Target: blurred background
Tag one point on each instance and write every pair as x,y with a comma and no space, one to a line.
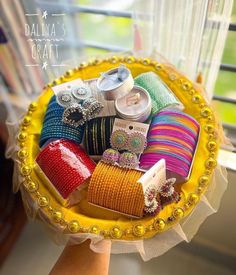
40,40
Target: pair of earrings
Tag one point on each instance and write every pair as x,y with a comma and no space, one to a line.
126,160
152,204
134,142
79,105
77,114
76,94
120,140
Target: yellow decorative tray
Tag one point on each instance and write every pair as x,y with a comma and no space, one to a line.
84,218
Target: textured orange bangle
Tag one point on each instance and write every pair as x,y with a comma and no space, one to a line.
117,189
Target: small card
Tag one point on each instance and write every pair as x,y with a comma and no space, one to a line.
130,126
67,86
155,175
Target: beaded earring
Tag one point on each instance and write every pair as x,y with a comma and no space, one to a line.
167,189
119,139
124,160
167,193
75,115
93,107
65,99
111,156
128,160
136,143
81,92
152,206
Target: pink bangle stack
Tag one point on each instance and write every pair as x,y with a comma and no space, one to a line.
173,136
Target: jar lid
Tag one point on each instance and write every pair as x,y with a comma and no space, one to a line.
134,106
115,83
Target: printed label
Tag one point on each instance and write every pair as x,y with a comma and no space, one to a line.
130,126
155,175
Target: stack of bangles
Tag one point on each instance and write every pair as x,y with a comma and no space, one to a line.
97,134
173,136
54,128
116,188
160,94
66,165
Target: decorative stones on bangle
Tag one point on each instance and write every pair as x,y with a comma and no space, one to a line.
77,114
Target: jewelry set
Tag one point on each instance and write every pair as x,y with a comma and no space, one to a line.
79,105
120,140
72,119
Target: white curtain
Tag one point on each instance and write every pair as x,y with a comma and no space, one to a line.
189,33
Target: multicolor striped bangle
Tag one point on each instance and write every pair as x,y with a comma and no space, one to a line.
53,127
173,135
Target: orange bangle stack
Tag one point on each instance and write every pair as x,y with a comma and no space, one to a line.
117,189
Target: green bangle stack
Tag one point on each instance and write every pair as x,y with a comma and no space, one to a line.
160,94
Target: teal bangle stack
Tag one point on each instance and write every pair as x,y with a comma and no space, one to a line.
54,128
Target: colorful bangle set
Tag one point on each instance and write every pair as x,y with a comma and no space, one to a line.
97,135
66,165
160,94
114,185
54,128
117,189
173,136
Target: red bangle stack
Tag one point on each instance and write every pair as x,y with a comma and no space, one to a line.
66,165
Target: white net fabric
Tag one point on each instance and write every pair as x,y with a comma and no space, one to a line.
148,248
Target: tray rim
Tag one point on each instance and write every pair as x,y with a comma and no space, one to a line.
123,229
